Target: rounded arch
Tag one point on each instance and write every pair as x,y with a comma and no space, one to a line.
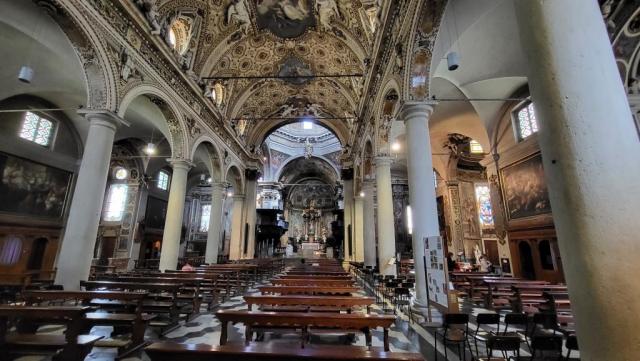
291,159
235,177
263,130
176,128
214,154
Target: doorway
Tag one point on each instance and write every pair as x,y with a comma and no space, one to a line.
37,254
526,261
491,250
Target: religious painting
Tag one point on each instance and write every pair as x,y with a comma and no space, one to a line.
524,188
32,189
470,220
293,67
285,18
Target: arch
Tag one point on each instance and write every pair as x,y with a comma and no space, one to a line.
175,124
262,131
214,154
235,177
290,159
91,51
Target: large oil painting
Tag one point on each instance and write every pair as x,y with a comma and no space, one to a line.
525,189
32,189
285,18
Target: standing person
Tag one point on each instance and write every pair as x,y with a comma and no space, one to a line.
452,265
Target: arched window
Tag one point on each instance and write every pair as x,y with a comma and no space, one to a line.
116,202
11,250
36,129
163,180
525,121
205,214
546,256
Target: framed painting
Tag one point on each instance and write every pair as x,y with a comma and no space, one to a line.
32,189
524,188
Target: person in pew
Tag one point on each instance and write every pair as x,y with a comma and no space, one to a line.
452,265
188,267
485,264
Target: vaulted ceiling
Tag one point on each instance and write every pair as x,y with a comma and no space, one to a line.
266,38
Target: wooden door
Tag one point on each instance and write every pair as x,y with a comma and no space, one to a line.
491,250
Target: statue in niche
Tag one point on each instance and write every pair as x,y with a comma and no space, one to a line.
327,10
308,148
237,14
150,11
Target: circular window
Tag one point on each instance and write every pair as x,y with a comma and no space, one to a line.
121,173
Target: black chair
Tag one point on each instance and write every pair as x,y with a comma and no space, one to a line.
482,335
571,344
517,324
505,344
455,331
544,324
402,300
546,343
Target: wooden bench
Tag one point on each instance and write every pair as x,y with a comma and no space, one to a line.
499,291
162,298
529,298
307,290
332,303
169,351
305,322
122,310
308,282
70,346
316,277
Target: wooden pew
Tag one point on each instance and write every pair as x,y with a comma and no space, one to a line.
305,321
162,299
169,351
499,291
311,303
316,277
71,346
529,297
311,273
124,309
308,282
307,290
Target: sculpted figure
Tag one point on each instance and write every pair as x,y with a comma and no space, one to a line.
237,14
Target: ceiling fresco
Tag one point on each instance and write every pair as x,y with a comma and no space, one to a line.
281,38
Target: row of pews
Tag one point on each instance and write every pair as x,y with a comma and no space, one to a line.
311,298
128,302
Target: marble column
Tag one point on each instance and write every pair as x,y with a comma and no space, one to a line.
358,228
237,228
385,221
251,192
215,223
347,193
369,223
590,148
78,242
422,194
175,211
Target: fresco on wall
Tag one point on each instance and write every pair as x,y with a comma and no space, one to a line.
470,221
285,18
524,188
32,189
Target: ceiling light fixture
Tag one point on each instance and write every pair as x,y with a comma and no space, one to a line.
26,74
362,194
395,146
150,149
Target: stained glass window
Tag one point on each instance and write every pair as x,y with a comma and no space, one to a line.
527,122
36,129
204,218
116,202
163,180
11,250
483,198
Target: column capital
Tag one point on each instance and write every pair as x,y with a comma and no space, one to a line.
424,109
103,117
383,161
218,187
252,174
180,163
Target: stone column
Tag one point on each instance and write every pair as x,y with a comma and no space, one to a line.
369,224
347,193
215,223
175,211
422,194
358,228
251,176
78,242
590,149
237,228
385,224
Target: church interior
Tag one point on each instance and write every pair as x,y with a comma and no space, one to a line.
319,179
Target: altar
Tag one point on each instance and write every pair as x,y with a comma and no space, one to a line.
309,249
